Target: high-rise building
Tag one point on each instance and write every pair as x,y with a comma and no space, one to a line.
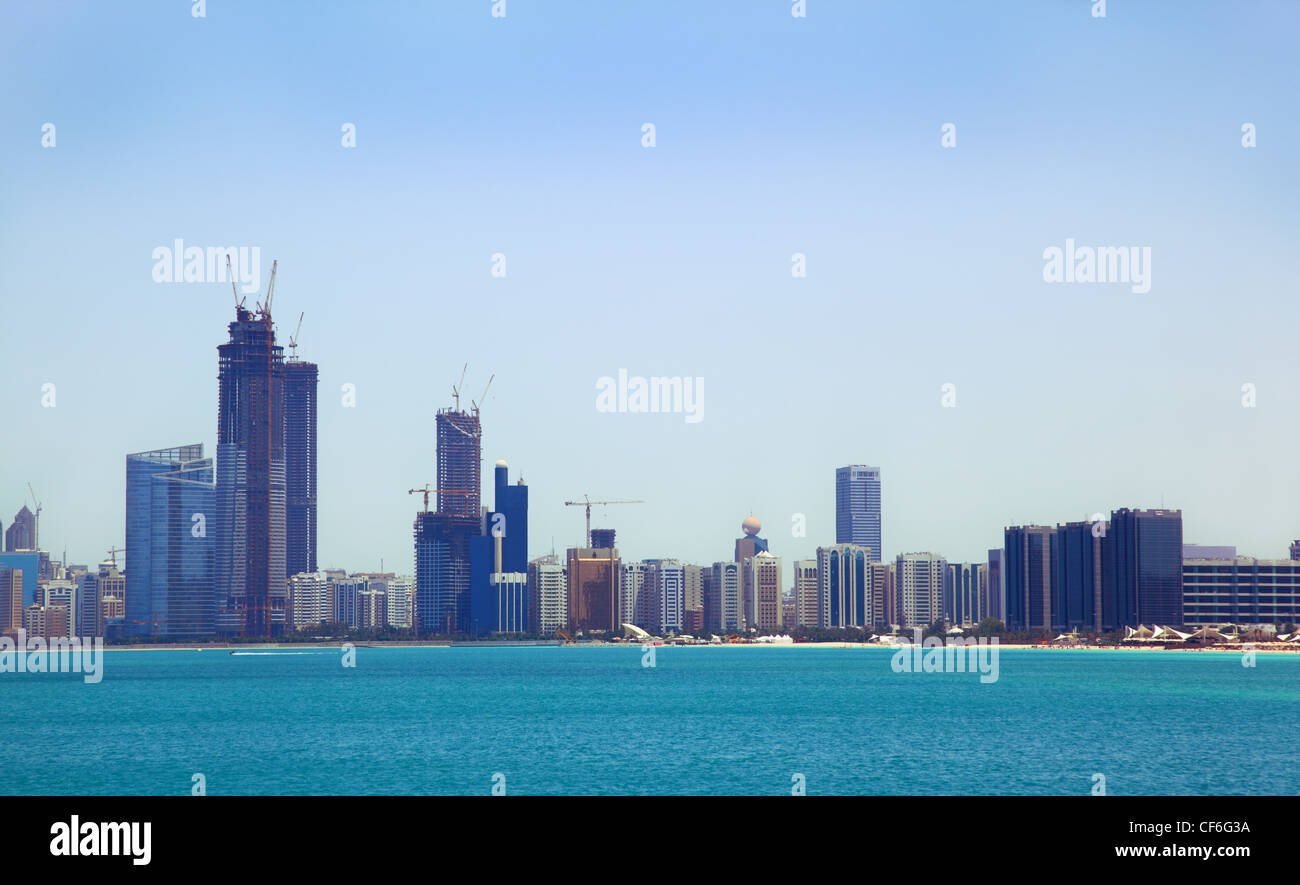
21,534
1145,568
112,598
27,563
857,507
250,490
965,593
997,589
845,597
61,595
632,603
444,572
766,588
920,588
884,588
594,589
1077,583
1029,569
692,599
300,381
723,600
548,587
310,604
1241,590
749,545
663,596
1295,550
499,561
806,593
170,512
11,600
603,539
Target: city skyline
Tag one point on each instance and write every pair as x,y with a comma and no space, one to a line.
619,256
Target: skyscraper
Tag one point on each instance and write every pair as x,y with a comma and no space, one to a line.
965,592
857,507
1144,579
548,587
1077,583
806,593
593,589
21,534
1029,569
749,545
844,591
722,596
499,561
765,585
997,594
300,379
920,588
250,489
170,504
444,574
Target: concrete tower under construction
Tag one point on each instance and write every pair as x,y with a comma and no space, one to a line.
250,487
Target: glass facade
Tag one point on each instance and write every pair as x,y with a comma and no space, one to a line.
857,507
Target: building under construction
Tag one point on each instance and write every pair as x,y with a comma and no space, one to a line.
442,538
250,488
300,380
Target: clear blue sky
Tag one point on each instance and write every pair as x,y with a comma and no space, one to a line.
775,135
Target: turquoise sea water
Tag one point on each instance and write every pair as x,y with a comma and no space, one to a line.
572,720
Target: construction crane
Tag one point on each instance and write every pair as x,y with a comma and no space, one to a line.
455,390
36,525
265,307
293,339
112,553
426,491
482,397
230,272
587,502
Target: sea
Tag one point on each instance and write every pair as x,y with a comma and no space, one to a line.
575,720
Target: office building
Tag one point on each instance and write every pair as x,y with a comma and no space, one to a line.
170,515
594,589
663,596
919,580
1241,590
21,534
965,593
845,588
996,587
1076,594
1145,568
632,605
857,508
692,599
11,600
1029,572
27,564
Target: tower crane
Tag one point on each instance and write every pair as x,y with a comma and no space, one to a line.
36,525
426,491
293,339
587,502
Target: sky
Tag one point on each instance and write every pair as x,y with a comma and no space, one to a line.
522,136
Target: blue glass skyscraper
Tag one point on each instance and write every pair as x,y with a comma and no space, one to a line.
857,507
170,507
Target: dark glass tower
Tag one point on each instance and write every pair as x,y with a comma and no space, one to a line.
1144,568
1029,563
300,380
250,491
857,507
